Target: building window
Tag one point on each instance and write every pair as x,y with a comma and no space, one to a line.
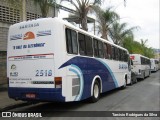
9,15
31,16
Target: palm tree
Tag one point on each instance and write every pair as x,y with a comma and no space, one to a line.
105,18
119,31
82,9
44,6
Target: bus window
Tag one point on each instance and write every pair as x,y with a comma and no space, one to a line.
116,53
105,51
126,56
89,49
95,47
81,44
71,41
100,49
120,55
109,51
74,42
113,53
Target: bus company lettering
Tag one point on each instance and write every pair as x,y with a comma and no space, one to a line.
29,46
123,66
29,25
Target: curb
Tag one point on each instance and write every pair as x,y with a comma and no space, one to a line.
3,87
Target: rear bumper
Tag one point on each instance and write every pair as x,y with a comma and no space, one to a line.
42,94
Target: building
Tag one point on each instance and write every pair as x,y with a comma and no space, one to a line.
11,14
157,53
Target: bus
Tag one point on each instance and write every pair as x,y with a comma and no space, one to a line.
141,65
49,59
154,65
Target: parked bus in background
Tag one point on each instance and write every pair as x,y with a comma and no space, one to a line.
154,65
141,65
51,60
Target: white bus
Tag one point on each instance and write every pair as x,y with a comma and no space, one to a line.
141,65
51,60
154,65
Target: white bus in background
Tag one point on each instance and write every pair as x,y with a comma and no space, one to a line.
154,65
141,65
51,60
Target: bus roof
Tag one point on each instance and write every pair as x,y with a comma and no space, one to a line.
139,55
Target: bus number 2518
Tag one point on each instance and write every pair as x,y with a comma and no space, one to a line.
43,73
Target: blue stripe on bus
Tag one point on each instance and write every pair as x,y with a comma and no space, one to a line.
91,67
115,81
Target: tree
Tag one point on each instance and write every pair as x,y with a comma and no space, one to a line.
119,31
105,18
44,6
138,47
82,9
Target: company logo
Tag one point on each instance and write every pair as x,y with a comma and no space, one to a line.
29,35
13,67
6,114
44,33
16,37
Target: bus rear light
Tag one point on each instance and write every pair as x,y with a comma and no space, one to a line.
132,57
58,82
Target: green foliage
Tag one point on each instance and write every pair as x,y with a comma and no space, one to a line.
119,32
105,19
137,48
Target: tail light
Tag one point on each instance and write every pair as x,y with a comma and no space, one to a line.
132,57
58,82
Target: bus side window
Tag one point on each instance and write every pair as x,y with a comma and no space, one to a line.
109,51
89,49
74,42
68,41
120,55
100,49
117,53
71,41
81,39
126,56
105,51
113,52
95,48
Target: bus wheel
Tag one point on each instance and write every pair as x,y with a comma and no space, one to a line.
143,76
96,92
125,84
136,80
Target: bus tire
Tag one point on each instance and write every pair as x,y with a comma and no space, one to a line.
96,92
125,84
136,80
143,75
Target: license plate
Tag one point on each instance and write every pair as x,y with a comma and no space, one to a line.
30,95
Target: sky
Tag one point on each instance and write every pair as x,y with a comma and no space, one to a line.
141,13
